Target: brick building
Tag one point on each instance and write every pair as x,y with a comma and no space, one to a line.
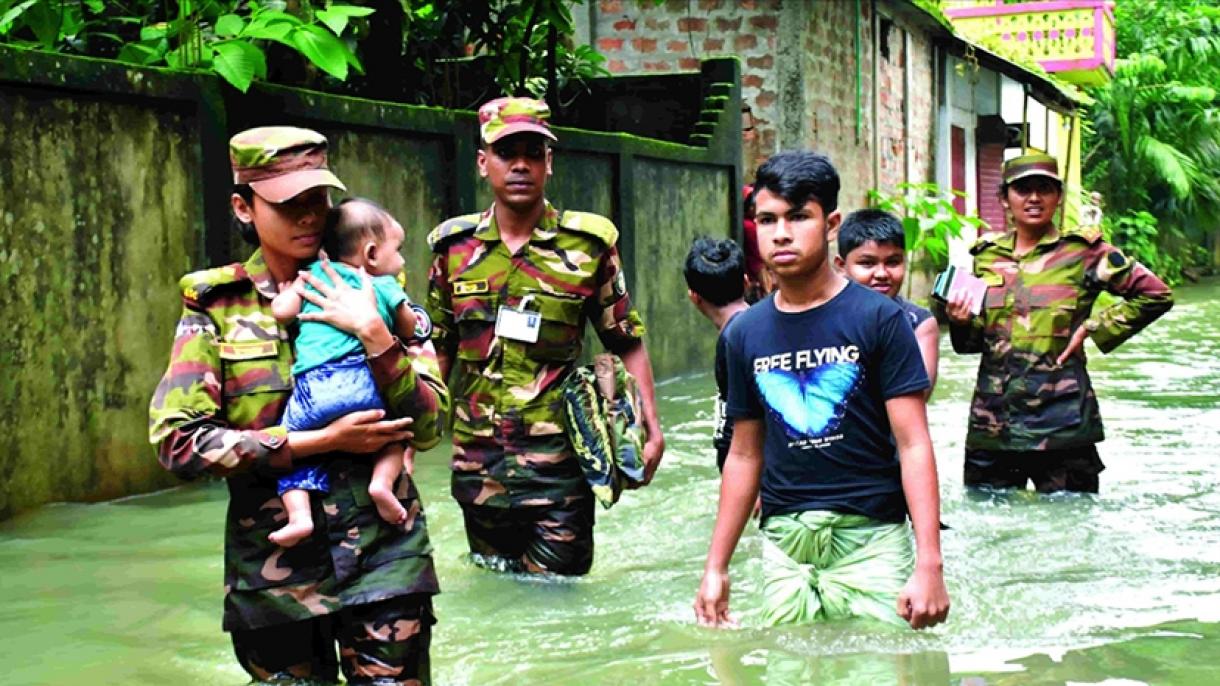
886,88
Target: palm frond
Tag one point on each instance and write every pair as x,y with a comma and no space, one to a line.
1171,165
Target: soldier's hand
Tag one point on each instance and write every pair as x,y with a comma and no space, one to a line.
343,307
958,308
367,431
654,450
712,601
1074,346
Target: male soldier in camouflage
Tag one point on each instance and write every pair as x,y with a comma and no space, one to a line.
357,580
1034,414
510,291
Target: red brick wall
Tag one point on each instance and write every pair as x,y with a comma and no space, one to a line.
893,94
830,95
677,34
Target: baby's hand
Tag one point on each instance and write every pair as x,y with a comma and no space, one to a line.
297,285
287,303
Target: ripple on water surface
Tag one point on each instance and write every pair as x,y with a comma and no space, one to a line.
1048,590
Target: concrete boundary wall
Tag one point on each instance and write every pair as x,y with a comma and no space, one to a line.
114,181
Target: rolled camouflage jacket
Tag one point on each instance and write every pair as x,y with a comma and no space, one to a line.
509,427
1024,400
217,411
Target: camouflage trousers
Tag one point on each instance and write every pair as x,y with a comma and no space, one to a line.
1067,469
380,644
547,538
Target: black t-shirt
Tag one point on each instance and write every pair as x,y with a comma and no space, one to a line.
819,380
722,434
915,314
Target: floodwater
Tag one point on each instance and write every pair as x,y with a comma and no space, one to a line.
1123,588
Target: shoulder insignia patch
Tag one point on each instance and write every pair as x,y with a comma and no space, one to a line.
1089,234
620,284
451,228
197,286
423,323
592,224
1113,263
984,241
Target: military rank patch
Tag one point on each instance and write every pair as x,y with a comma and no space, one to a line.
423,323
620,284
247,350
470,287
1113,263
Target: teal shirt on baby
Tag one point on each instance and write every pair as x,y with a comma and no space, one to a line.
318,343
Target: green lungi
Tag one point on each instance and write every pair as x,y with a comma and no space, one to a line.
820,565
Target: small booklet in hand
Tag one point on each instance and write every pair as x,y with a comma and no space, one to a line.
955,279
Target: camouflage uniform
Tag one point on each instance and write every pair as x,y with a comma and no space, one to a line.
217,411
1024,401
511,451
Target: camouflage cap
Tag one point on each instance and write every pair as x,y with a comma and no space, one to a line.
281,162
505,116
1034,164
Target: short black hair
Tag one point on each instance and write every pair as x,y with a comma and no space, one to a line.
350,222
799,176
715,270
863,226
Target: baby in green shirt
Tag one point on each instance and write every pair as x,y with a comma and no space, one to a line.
331,375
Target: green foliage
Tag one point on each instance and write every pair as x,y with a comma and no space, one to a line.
929,219
1139,236
1153,132
445,52
508,41
229,37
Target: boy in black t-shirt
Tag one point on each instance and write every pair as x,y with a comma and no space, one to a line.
826,390
872,252
716,279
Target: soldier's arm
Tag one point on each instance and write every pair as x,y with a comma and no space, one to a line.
621,330
409,379
966,336
965,327
440,310
1144,298
185,417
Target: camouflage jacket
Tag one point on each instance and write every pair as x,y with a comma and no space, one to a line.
1023,400
217,411
508,427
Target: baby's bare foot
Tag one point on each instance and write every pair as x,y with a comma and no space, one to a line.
387,505
291,534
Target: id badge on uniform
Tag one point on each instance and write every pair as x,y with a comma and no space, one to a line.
519,324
